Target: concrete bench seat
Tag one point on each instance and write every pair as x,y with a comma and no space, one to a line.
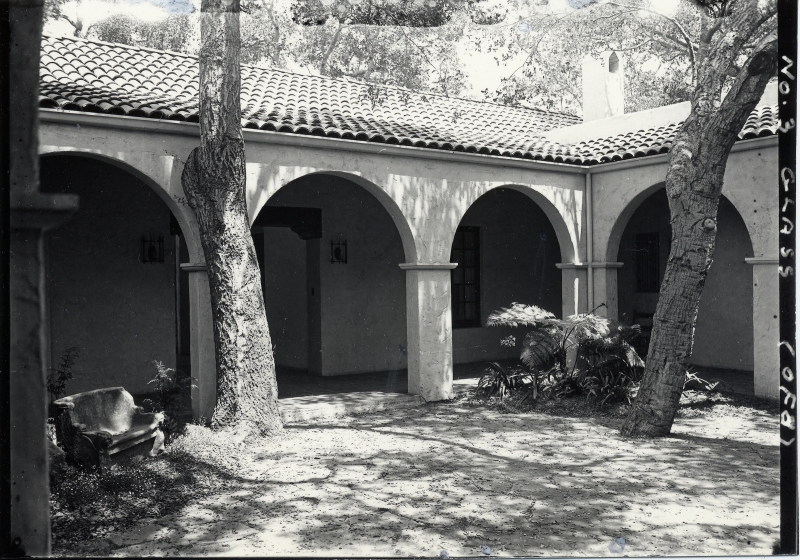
104,425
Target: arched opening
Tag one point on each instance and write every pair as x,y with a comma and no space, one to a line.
334,294
506,249
115,289
723,340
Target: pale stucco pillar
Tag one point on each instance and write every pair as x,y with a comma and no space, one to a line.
31,215
766,326
574,294
201,346
430,330
605,288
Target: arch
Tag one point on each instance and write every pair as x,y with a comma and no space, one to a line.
181,212
723,333
615,236
129,306
507,250
399,219
339,315
554,216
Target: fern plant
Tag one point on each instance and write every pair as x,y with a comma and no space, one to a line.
605,366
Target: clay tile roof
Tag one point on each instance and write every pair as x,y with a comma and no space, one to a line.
82,75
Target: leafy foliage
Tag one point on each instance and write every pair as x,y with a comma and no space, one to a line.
499,381
606,366
89,505
426,45
552,44
170,387
611,381
62,374
518,315
171,34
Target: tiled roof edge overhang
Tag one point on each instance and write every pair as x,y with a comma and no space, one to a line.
299,140
321,142
111,79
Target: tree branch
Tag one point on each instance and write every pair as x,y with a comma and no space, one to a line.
331,46
420,49
706,38
677,25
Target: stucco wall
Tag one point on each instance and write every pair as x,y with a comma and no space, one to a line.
118,312
517,265
751,165
723,335
362,303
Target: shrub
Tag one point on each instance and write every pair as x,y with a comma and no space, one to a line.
169,385
498,381
59,376
605,367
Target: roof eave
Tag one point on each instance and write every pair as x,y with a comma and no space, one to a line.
183,128
300,140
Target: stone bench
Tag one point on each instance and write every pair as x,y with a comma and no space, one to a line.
104,425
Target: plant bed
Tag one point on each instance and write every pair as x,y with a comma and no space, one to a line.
88,506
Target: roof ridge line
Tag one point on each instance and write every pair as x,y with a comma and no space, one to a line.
317,76
123,45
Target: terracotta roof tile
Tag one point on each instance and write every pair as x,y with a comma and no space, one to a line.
82,75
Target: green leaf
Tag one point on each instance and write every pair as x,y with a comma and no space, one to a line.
541,347
518,315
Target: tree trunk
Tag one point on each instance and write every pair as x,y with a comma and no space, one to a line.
214,182
694,184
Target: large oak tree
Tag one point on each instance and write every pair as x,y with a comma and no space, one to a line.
214,182
737,55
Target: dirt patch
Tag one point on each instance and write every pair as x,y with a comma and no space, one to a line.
455,477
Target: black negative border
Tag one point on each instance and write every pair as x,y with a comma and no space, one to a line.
787,107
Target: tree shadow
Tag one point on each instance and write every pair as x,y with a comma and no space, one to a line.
414,482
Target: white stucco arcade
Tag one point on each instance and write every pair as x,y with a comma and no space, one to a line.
416,198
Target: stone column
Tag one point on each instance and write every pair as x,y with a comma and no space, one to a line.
31,215
573,288
25,485
766,326
430,330
201,346
605,288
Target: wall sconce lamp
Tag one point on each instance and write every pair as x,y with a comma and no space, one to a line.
153,249
339,252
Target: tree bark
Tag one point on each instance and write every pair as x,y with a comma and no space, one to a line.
214,182
694,184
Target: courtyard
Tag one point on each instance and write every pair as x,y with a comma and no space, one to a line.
386,244
456,476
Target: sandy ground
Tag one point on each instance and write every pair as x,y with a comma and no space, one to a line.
458,478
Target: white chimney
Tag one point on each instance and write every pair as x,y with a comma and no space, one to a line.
603,86
770,96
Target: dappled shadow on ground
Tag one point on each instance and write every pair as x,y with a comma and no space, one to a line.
452,477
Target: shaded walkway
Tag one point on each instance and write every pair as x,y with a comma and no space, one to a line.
295,383
730,380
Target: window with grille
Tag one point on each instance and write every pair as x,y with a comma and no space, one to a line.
465,278
647,265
